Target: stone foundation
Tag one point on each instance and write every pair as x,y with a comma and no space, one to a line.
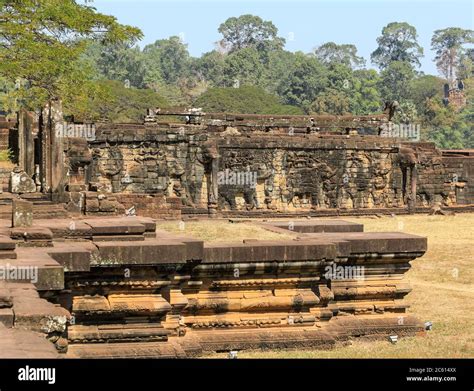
125,289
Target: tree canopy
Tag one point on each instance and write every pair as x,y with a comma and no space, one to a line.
42,40
245,99
249,31
61,49
398,42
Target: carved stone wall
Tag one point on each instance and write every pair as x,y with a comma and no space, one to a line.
265,171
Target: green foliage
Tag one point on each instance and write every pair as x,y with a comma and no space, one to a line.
53,49
279,65
451,129
243,67
406,113
170,57
331,53
118,61
366,97
426,92
114,102
465,69
395,81
7,155
398,42
210,66
306,79
42,40
331,102
246,99
448,45
250,31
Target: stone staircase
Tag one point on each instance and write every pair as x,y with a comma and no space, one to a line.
43,208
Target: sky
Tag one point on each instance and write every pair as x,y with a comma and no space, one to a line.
305,24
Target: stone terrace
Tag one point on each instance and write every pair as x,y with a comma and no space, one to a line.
118,287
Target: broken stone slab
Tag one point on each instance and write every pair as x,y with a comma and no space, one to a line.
21,182
115,227
6,317
39,315
22,213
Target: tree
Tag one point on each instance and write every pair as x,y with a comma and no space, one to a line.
366,98
250,31
335,98
42,40
398,42
277,68
243,67
113,102
118,61
332,101
395,81
330,53
349,91
451,128
210,66
466,64
448,45
425,91
246,99
168,58
406,113
305,80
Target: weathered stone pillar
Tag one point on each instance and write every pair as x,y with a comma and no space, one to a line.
212,156
53,172
22,213
412,197
26,145
213,189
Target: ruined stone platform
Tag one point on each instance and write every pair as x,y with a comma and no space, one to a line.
118,287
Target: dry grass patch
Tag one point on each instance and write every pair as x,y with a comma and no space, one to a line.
220,230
